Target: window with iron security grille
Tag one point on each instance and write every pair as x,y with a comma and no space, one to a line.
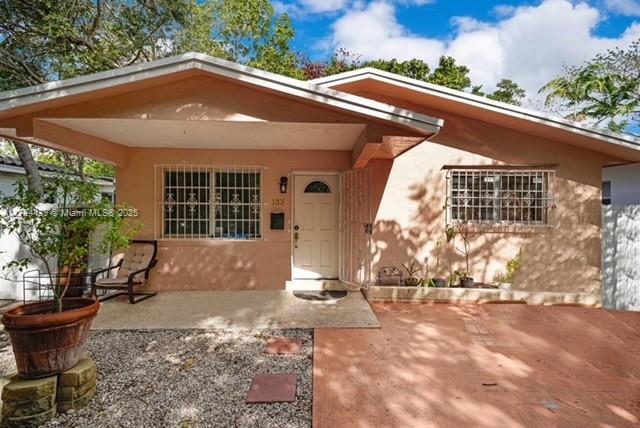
500,196
201,202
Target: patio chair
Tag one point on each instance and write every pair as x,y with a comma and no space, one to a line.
133,271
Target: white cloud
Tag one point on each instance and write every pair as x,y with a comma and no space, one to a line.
624,7
374,32
503,10
528,44
323,6
308,8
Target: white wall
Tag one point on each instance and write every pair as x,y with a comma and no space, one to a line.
625,183
621,257
11,284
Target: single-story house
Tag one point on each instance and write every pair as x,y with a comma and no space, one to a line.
12,285
249,179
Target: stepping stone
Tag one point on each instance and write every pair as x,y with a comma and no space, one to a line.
283,346
273,388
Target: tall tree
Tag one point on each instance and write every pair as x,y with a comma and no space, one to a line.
450,74
44,40
605,90
507,91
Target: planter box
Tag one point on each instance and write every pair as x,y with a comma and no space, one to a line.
479,295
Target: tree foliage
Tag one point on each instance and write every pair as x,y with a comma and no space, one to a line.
605,90
58,235
45,40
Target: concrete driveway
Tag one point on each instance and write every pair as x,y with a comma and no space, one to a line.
500,365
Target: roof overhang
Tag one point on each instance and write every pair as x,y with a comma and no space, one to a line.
624,147
19,102
217,134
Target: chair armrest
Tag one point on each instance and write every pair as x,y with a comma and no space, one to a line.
95,273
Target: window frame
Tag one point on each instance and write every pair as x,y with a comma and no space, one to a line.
212,204
606,192
544,199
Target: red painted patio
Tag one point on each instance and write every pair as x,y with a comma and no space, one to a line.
480,365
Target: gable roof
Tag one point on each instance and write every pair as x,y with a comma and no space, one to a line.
463,98
16,101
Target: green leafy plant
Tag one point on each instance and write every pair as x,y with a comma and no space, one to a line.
513,266
450,235
412,268
58,234
463,231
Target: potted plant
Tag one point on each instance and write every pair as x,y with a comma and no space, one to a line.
466,280
49,337
437,281
412,269
450,235
504,280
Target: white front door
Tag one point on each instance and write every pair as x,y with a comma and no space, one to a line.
315,226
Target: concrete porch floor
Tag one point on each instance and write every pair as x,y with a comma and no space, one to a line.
234,310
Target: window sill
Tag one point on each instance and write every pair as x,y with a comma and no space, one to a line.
506,228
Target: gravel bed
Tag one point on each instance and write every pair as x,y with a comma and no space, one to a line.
186,378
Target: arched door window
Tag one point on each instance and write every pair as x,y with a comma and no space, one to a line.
317,186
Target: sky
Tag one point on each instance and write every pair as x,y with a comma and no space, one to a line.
527,41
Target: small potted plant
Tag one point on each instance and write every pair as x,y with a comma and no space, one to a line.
437,281
466,280
450,235
504,280
412,270
49,337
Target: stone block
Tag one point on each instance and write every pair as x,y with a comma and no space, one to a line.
273,388
29,389
80,374
69,393
78,403
18,409
29,421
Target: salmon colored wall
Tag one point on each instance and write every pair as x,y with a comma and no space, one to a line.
213,264
210,98
410,218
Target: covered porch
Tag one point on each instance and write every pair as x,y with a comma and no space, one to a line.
203,149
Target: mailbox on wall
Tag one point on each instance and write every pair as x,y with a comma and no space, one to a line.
277,221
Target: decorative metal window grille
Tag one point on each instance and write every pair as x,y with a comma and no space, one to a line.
500,196
202,201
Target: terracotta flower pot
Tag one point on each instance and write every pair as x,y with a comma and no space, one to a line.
46,342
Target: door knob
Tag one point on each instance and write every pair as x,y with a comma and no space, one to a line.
296,227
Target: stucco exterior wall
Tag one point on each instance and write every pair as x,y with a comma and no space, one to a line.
217,264
410,218
408,196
